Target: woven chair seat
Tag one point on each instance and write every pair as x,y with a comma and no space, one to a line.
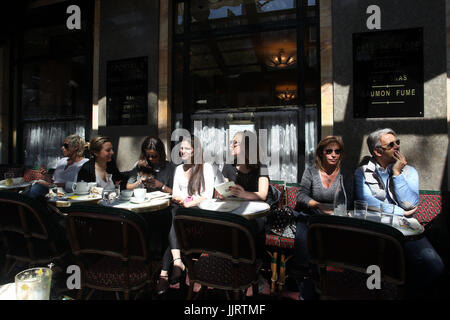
429,207
291,196
110,272
218,271
351,285
281,242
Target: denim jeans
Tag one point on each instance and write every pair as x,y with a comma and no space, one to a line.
37,191
305,283
423,267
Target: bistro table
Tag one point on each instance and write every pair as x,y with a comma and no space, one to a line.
151,205
70,198
248,209
18,184
410,227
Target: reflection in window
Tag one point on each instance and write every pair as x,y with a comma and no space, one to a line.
270,5
244,70
55,74
207,15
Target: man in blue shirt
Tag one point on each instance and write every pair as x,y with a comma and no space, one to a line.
388,183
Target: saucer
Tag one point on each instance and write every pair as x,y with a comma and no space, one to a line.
81,193
134,200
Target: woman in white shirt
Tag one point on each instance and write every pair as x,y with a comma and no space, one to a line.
193,183
67,168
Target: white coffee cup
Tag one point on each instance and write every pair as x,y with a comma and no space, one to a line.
139,194
80,187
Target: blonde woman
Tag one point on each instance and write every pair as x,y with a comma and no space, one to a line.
67,168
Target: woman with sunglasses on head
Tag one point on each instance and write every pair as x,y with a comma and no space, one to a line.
251,177
152,168
193,183
101,166
67,168
316,196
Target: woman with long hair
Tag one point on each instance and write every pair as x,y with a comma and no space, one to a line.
152,169
101,165
193,183
250,176
316,196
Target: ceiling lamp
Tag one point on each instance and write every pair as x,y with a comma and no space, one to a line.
287,95
281,60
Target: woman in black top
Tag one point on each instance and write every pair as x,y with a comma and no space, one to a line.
152,169
251,177
101,164
156,174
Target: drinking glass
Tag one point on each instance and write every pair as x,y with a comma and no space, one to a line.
9,178
33,284
117,190
373,216
387,217
360,209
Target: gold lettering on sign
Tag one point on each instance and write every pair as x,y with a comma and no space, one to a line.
405,92
380,93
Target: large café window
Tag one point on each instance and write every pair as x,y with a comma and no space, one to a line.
250,61
54,69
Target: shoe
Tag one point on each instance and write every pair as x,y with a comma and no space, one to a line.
163,285
177,275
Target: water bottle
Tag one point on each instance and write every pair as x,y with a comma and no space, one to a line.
340,199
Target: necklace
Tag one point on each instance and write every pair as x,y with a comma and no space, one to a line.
331,176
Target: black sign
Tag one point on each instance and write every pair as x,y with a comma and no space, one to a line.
126,92
388,74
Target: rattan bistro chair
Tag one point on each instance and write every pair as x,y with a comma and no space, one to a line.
110,246
219,250
340,251
30,233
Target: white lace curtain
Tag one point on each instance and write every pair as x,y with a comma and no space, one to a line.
43,141
280,141
310,135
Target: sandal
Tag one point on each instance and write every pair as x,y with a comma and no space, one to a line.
177,273
163,285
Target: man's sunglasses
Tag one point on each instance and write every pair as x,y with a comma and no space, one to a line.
66,146
329,151
389,146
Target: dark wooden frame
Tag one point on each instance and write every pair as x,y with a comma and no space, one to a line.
128,226
191,253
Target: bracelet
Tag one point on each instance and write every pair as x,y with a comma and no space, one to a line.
164,186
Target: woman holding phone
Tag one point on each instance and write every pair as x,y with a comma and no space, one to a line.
152,169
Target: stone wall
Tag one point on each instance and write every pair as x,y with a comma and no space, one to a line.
424,139
128,29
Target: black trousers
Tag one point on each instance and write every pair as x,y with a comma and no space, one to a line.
173,241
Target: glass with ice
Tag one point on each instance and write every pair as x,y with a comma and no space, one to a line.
359,209
33,284
340,210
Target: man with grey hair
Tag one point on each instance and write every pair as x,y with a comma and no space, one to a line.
389,184
386,182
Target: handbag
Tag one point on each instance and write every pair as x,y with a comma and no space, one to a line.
35,174
282,222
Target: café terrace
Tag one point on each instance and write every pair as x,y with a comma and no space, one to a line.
297,70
